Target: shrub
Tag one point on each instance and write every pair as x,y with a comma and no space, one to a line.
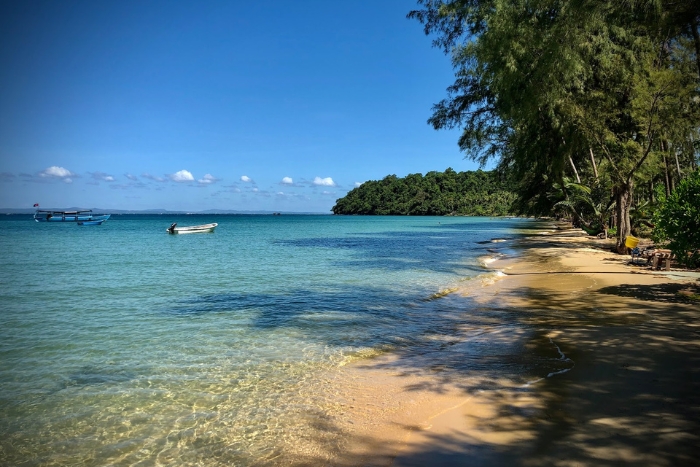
677,221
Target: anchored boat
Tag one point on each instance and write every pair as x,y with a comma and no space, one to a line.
204,228
85,215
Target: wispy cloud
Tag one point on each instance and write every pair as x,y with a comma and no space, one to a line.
129,186
131,177
153,177
328,181
181,176
7,177
60,173
101,176
231,188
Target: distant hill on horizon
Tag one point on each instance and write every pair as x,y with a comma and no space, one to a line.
156,211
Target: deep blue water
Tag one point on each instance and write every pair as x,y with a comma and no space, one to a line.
122,345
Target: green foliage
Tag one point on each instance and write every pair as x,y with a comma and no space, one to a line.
476,193
678,221
547,86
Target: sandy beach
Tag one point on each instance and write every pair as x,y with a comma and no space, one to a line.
620,345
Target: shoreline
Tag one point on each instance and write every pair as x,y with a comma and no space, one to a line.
598,363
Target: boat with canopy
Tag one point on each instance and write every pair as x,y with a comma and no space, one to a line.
83,215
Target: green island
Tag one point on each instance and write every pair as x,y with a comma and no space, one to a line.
473,193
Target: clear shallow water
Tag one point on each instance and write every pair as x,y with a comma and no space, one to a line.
122,345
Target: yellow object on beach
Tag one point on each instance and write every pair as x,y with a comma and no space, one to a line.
631,242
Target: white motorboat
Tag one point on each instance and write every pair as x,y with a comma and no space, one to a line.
204,228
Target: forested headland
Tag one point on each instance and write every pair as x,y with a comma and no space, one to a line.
476,193
591,106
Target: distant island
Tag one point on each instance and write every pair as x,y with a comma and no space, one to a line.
160,211
471,193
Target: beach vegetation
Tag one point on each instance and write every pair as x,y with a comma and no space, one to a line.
605,93
588,206
677,221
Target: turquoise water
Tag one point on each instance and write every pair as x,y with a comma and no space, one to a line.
122,345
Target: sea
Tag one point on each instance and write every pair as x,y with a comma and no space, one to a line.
122,345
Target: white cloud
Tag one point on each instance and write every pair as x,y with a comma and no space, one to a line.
207,179
287,181
255,190
357,184
131,177
181,176
328,181
57,172
245,178
68,180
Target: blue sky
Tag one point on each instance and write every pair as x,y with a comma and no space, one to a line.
276,105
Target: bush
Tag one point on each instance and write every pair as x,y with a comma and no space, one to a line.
677,221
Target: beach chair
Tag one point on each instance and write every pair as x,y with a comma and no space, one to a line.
631,243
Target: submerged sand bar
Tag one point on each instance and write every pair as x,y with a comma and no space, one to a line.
599,364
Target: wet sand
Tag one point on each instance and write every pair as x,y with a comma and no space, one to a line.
598,363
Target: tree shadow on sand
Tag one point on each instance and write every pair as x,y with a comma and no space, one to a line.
631,395
664,293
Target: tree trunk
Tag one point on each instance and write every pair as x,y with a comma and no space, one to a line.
578,179
623,196
673,182
668,181
595,169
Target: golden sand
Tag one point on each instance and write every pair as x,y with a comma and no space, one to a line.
625,391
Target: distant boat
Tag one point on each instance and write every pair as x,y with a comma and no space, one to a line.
204,228
43,215
92,222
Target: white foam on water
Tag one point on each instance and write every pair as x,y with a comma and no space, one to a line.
485,261
491,278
